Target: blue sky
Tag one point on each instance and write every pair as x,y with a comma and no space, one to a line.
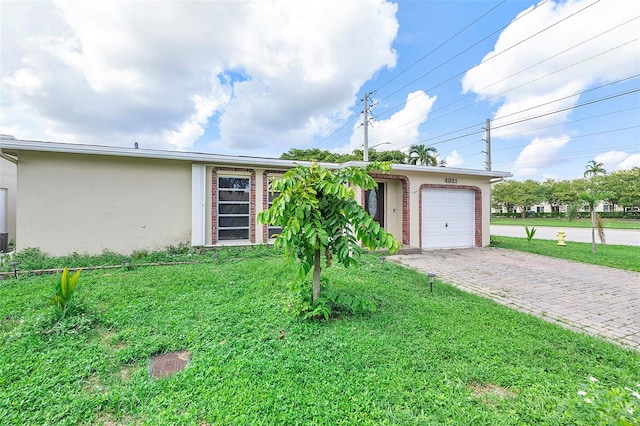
559,79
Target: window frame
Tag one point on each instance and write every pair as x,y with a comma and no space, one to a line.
246,190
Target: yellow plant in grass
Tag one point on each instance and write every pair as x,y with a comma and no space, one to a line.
65,288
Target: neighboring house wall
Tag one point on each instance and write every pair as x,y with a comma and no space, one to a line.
8,176
93,202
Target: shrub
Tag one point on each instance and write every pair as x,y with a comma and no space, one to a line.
598,405
530,232
64,290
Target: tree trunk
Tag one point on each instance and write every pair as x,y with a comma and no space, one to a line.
593,231
316,276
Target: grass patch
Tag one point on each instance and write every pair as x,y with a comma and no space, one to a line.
576,223
614,256
33,259
445,357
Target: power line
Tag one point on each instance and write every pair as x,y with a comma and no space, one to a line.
526,119
534,65
463,51
572,137
443,43
485,60
567,108
571,121
521,85
527,109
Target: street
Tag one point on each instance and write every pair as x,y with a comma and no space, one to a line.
627,237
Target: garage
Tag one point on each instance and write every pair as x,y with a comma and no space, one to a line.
448,218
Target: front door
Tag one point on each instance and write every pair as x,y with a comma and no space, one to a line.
374,203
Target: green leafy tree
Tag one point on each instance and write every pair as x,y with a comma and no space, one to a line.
424,155
518,194
503,196
527,194
623,187
394,156
323,156
313,154
318,213
558,193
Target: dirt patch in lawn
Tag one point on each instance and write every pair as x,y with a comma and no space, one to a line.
491,394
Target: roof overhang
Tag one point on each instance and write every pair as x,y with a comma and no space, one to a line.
11,146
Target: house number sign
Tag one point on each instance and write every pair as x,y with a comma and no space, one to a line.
450,180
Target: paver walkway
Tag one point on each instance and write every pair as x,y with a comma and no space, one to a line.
594,299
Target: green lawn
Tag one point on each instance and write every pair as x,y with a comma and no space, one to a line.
576,223
445,357
615,256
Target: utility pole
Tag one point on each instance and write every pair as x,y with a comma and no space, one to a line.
365,154
487,139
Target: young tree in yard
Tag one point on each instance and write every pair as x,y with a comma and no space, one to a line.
592,198
318,213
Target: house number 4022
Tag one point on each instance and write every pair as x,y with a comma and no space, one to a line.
450,180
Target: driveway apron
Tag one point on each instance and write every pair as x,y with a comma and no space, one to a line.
593,299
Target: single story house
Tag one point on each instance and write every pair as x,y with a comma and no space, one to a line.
87,199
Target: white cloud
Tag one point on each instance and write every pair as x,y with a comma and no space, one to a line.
539,153
617,160
552,65
630,162
454,159
113,72
402,129
194,127
611,159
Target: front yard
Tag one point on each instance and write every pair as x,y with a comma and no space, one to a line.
445,357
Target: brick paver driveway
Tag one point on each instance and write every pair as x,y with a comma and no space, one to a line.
597,300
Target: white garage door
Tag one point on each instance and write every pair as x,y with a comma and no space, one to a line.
448,218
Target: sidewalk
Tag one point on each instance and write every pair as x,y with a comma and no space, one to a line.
596,300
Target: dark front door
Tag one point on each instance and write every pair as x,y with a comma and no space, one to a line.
374,203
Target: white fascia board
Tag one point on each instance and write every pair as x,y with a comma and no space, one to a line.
22,145
236,160
436,169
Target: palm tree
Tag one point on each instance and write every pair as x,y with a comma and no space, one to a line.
593,168
592,198
425,155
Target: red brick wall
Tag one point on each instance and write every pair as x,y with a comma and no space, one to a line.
478,208
214,202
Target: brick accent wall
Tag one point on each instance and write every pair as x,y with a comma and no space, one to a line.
478,207
406,213
214,202
265,198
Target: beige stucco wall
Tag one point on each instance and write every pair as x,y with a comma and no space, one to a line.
89,203
8,176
